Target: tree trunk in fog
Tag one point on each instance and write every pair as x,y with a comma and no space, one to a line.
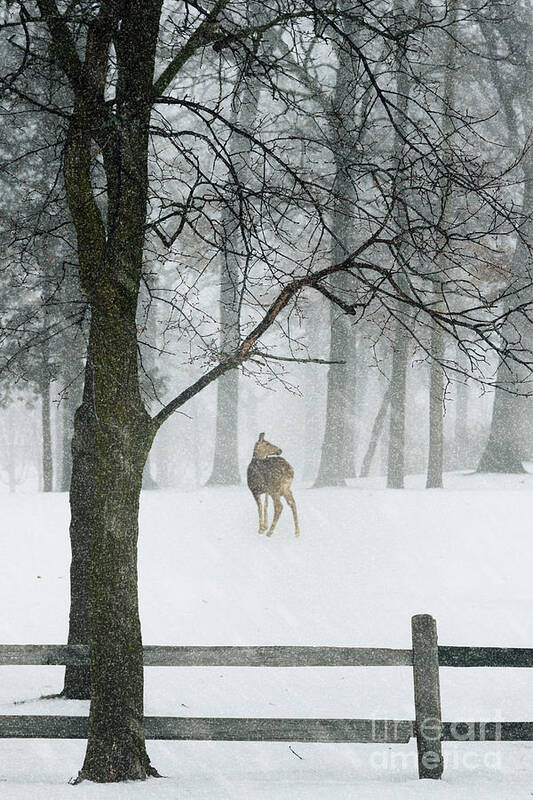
245,102
337,445
436,395
332,469
358,410
9,446
504,451
352,405
396,452
436,381
226,459
460,435
68,409
311,422
47,458
377,428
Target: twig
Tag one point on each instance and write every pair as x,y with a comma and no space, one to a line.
297,360
296,754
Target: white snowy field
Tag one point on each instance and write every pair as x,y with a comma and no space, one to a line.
367,560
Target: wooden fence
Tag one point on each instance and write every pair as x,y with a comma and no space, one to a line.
425,658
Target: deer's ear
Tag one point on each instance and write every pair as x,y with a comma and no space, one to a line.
261,437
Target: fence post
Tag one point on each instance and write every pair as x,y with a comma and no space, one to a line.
427,696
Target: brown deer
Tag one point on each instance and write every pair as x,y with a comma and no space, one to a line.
270,475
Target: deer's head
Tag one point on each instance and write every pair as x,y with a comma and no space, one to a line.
263,449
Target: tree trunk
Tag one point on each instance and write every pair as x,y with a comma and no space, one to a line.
352,405
436,382
115,443
396,457
48,464
396,452
336,445
377,427
226,460
234,221
436,396
82,498
312,391
116,747
68,408
503,451
110,255
332,469
460,433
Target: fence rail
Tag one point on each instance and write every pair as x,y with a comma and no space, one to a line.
162,656
221,728
485,657
425,658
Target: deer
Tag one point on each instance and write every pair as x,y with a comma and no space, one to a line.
270,475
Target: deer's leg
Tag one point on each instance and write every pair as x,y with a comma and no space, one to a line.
257,498
278,508
265,513
291,501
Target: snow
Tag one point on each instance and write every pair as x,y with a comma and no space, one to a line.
367,560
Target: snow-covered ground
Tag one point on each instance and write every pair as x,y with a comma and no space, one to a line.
367,560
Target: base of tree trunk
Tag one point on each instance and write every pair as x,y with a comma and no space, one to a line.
114,762
77,683
395,483
501,460
224,480
322,483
